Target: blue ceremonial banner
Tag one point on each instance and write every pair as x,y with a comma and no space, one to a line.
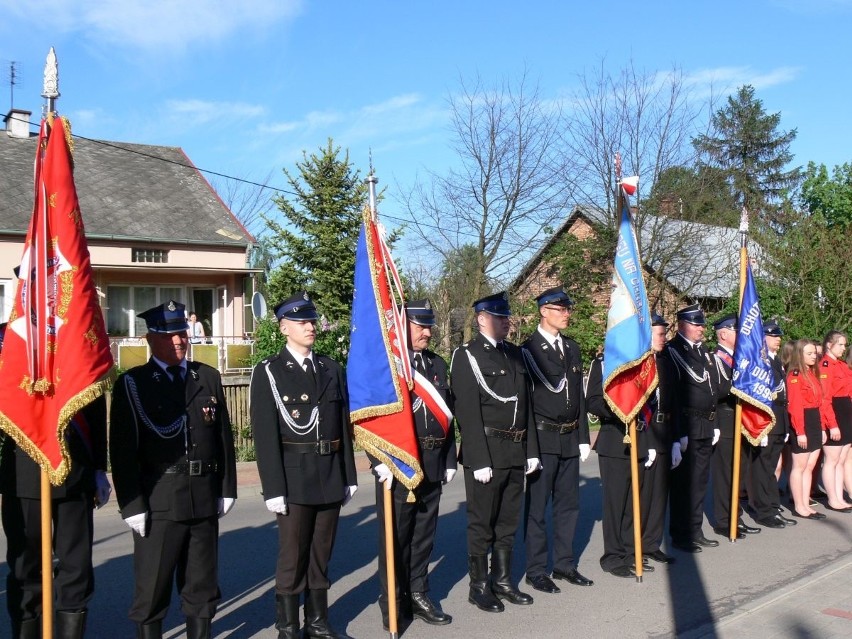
379,397
752,373
629,368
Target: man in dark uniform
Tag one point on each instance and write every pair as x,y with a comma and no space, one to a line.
559,404
73,526
499,444
697,388
654,493
613,449
300,420
764,458
722,463
415,522
174,468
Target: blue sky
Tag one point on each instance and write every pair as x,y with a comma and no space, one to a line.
243,87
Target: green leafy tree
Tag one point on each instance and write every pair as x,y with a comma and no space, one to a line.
699,194
315,237
830,197
746,144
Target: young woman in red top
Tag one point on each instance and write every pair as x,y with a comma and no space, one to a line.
805,403
836,379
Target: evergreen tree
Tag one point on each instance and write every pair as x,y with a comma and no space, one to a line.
316,239
747,146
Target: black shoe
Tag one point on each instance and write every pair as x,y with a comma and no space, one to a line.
623,571
776,521
839,510
645,568
701,540
686,546
542,583
660,557
787,521
573,577
724,531
747,530
813,516
424,608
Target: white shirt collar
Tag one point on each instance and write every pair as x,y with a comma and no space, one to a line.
165,366
300,359
548,336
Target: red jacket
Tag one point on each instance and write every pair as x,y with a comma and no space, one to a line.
836,379
801,394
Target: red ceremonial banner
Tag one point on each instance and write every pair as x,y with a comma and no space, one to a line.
56,356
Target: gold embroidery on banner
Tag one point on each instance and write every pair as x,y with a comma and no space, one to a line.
66,285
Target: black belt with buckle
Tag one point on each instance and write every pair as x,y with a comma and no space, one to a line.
516,436
706,414
193,468
321,447
565,427
661,418
430,443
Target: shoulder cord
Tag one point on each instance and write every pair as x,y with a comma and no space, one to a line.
721,368
481,381
533,366
681,363
166,432
298,429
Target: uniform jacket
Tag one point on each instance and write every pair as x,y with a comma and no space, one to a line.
697,387
727,402
610,441
436,460
22,476
836,379
558,408
303,478
804,391
661,432
505,375
139,454
779,403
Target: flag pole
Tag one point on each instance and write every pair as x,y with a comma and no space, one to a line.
390,563
738,411
50,92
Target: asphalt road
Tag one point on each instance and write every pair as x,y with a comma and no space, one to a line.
696,596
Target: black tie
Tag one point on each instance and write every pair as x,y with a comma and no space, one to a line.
419,366
310,370
177,378
501,347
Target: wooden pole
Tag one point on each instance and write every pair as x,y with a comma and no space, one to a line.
390,564
46,559
738,415
634,484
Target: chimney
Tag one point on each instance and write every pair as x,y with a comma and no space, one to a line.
18,123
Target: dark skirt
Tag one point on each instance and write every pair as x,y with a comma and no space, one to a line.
843,411
813,431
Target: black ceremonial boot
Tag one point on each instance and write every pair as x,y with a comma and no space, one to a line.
287,616
501,578
316,616
480,593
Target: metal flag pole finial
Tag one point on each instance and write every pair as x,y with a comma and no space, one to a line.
372,180
50,89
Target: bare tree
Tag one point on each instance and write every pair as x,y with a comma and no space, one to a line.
248,200
510,184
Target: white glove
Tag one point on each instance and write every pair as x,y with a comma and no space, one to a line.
585,449
225,505
677,456
786,437
533,464
716,434
764,442
138,523
483,475
348,494
449,474
684,442
102,488
652,456
385,475
277,505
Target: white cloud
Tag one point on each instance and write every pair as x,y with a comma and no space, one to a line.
153,25
726,79
203,111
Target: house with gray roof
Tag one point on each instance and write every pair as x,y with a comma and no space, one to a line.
156,231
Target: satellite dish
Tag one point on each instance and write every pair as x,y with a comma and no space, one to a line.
258,305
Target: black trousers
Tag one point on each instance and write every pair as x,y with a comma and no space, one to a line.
688,488
74,577
414,526
186,552
557,482
764,460
617,521
654,498
722,474
305,541
493,509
